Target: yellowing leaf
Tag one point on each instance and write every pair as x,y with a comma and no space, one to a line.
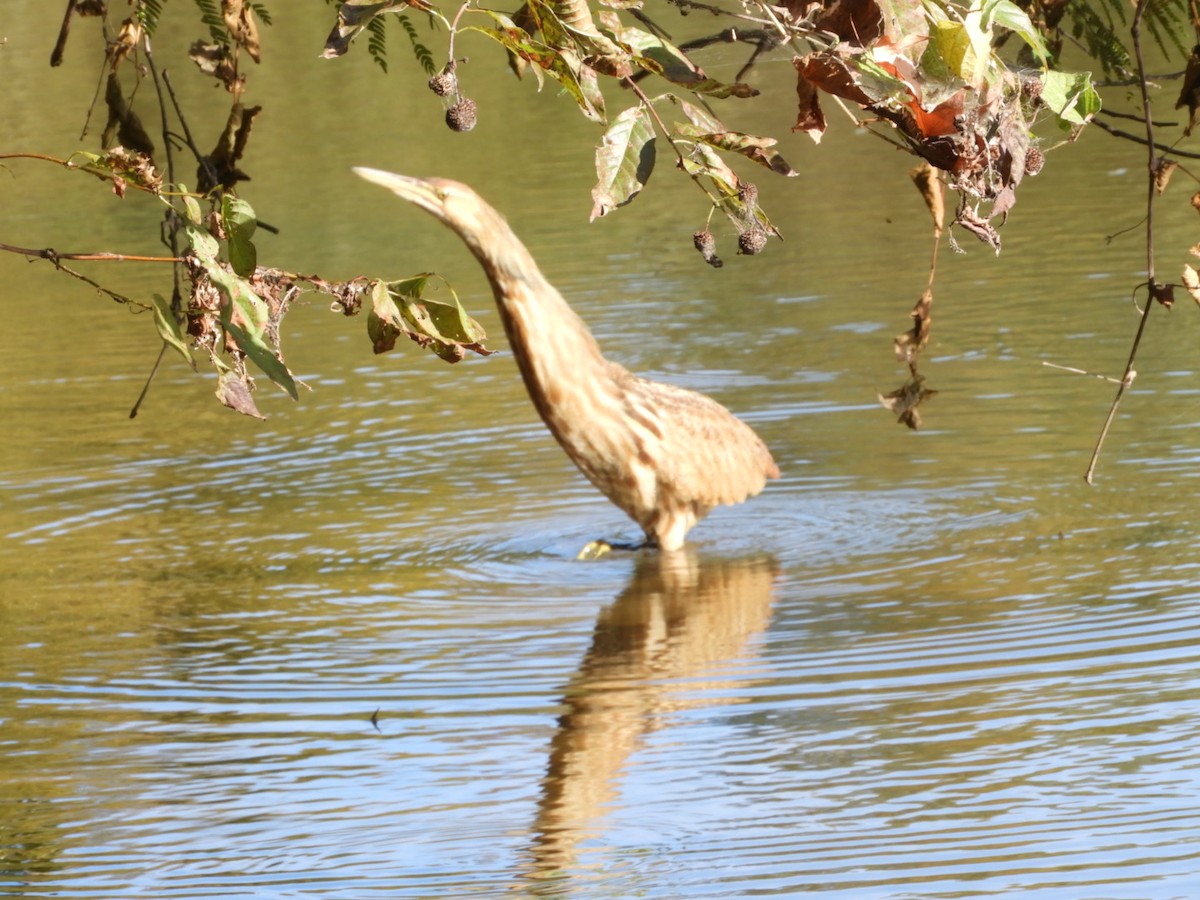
624,160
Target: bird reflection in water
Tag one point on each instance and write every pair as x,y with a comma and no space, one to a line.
664,455
679,619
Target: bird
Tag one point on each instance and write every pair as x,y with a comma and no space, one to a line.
664,455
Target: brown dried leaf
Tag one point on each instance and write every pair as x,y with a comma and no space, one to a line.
1163,293
1191,281
1163,169
125,43
809,118
905,400
223,161
216,60
353,16
909,345
969,219
234,393
930,186
1189,92
856,21
1196,201
239,19
123,122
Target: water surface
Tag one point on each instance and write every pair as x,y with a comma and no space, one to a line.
920,665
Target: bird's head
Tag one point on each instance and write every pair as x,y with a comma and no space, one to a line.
485,232
454,204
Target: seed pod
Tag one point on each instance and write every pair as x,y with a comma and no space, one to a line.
1031,88
752,241
1034,160
707,245
444,83
461,116
748,193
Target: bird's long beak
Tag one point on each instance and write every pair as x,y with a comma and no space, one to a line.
414,190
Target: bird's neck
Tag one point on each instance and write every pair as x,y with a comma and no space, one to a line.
545,334
552,344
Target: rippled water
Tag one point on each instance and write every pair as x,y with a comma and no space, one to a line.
348,652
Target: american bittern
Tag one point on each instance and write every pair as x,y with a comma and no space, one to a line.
663,454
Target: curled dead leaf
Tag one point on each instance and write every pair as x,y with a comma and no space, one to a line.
216,60
1163,169
1163,293
909,344
123,123
930,186
1189,92
221,166
809,117
125,43
235,393
906,400
239,20
1191,281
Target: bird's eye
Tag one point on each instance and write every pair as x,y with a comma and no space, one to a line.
443,194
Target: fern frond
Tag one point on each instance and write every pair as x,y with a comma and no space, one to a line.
423,54
1102,36
1103,28
210,15
377,41
148,13
260,10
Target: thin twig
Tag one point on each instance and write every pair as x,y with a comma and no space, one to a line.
90,256
1165,148
1072,369
1135,31
149,378
187,132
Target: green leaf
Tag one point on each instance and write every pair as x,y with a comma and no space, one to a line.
251,310
191,208
965,48
758,149
1070,96
663,58
704,120
384,323
168,326
561,65
204,246
452,321
709,164
1008,15
240,224
263,357
445,328
624,160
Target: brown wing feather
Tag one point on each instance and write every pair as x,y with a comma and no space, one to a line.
707,457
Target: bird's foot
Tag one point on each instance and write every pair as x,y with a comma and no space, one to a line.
599,549
595,550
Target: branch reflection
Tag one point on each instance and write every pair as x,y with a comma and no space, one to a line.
679,619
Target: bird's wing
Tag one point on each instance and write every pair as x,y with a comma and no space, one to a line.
706,456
